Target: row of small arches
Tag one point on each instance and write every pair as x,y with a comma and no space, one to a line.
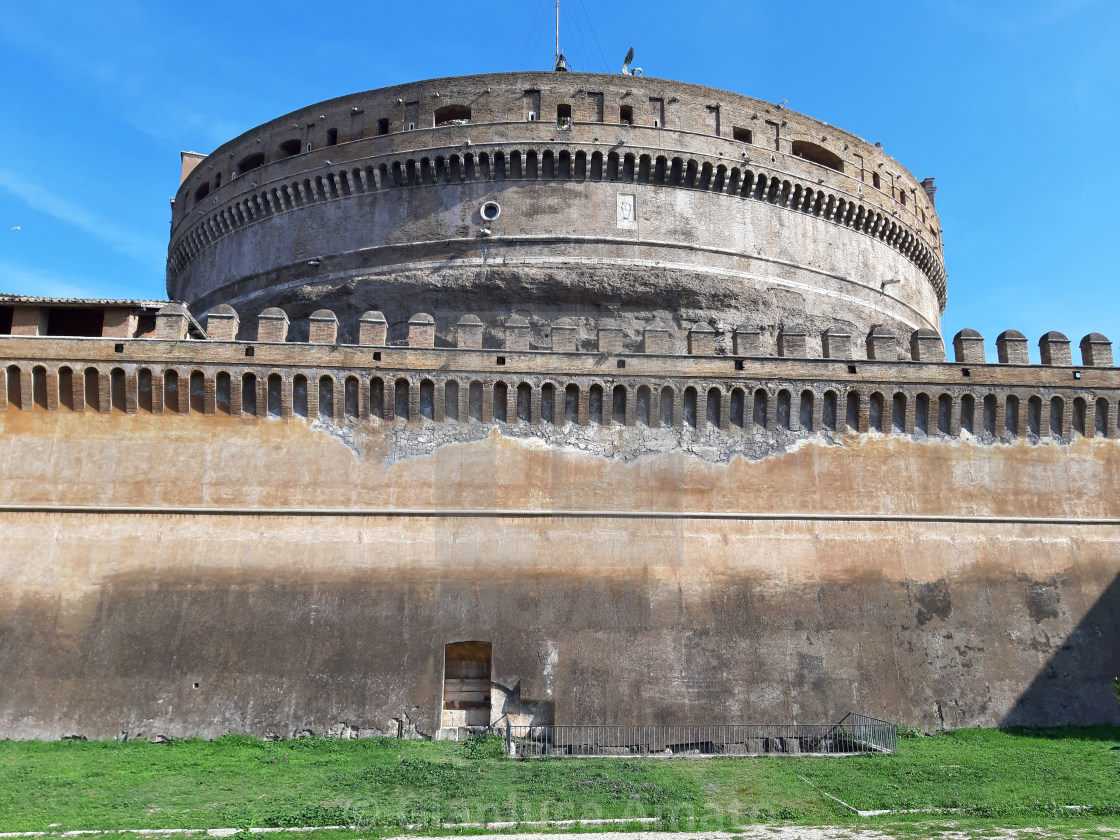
401,398
563,164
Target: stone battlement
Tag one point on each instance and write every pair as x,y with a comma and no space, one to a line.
417,382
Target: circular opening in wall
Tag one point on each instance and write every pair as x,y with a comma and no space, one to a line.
491,210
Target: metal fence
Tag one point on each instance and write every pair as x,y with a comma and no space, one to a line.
854,735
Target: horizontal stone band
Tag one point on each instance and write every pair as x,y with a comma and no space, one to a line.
496,513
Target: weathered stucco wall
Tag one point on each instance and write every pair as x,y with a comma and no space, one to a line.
800,585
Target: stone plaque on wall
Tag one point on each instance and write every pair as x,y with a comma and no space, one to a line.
627,212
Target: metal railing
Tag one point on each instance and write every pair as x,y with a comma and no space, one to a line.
855,734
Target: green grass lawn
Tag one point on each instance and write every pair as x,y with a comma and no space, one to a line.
995,777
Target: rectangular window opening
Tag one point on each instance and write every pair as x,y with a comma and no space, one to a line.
75,322
382,126
466,684
626,114
743,135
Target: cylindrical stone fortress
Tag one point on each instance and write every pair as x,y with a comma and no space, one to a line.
362,518
548,195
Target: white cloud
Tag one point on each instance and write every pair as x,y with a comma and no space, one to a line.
118,238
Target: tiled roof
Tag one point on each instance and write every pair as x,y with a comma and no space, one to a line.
139,304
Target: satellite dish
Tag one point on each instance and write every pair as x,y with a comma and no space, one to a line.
626,71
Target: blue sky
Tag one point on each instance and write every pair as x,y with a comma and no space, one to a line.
1012,105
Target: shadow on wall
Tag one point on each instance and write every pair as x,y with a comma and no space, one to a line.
1075,686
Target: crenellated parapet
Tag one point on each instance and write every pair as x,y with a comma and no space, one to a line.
415,381
517,333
